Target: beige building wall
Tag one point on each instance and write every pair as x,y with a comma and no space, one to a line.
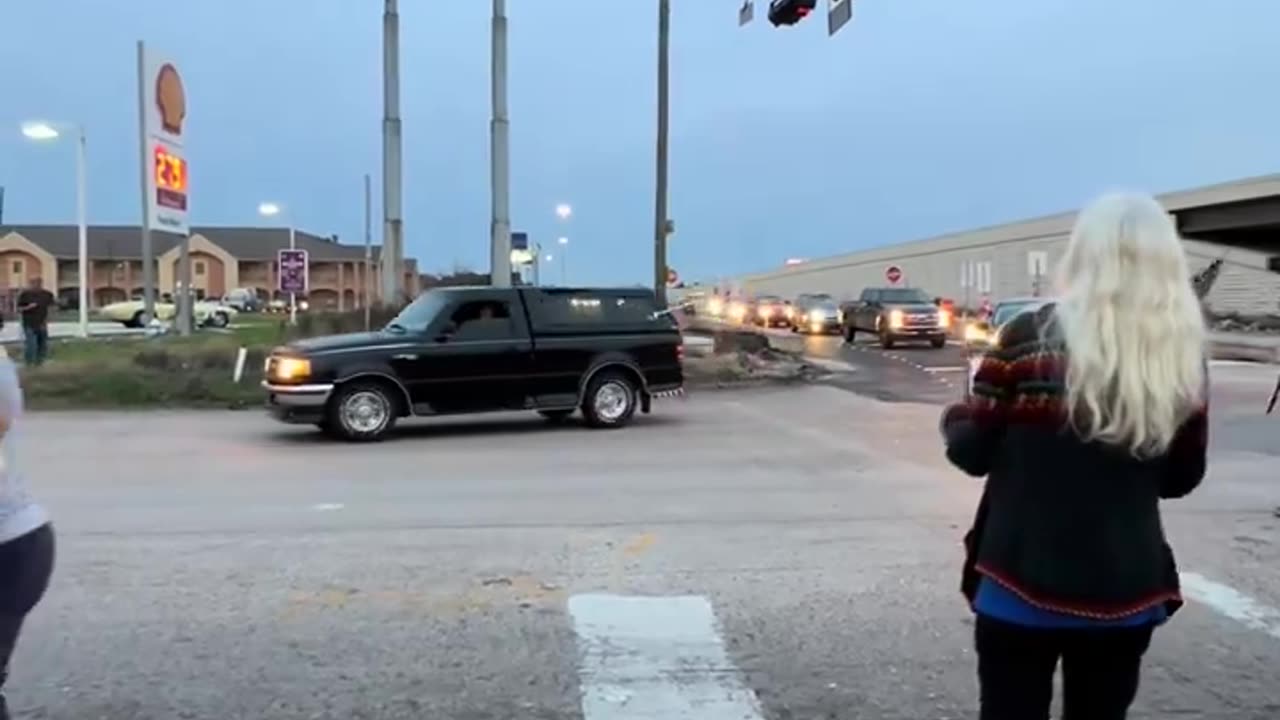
1012,260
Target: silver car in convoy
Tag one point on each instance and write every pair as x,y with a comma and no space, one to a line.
817,313
984,335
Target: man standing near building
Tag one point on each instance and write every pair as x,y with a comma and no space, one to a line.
34,303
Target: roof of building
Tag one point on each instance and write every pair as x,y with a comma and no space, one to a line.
1047,226
125,241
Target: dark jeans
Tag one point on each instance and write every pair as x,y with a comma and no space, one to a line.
25,566
1100,670
35,344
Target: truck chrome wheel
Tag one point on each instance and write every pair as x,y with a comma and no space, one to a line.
365,411
612,400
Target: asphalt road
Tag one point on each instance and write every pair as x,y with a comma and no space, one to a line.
779,554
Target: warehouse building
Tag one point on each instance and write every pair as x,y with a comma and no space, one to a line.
1238,222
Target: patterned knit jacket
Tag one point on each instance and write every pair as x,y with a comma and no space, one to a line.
1069,526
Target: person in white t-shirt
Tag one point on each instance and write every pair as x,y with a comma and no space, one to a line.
26,535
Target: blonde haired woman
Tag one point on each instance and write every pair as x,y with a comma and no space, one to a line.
26,537
1091,411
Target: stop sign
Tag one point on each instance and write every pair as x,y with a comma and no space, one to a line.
893,274
672,277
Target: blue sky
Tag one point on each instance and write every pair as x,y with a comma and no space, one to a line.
921,117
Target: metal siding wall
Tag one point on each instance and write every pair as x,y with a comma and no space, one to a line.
1244,287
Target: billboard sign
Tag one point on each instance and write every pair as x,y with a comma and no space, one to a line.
164,116
294,271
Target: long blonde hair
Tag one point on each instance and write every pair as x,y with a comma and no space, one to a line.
1133,326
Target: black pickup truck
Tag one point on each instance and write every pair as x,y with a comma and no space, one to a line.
606,352
895,315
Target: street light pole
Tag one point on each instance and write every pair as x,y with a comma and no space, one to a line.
499,155
660,181
82,218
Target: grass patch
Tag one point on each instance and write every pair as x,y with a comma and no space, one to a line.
172,371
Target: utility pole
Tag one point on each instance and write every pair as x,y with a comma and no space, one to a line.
393,218
660,219
499,155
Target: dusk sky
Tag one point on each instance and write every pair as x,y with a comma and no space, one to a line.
919,118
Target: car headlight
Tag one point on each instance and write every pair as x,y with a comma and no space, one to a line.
815,316
715,306
304,305
974,333
790,313
766,311
944,319
895,319
289,368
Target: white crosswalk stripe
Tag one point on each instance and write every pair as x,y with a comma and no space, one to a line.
645,658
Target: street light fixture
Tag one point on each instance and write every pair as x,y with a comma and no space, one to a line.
270,209
47,132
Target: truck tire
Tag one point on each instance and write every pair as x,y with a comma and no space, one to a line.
886,340
555,416
610,401
849,334
938,343
136,320
361,411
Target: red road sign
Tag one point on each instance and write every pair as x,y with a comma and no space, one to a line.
672,277
893,274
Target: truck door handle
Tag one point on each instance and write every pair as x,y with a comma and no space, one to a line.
405,356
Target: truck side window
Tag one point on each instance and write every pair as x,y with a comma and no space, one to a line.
868,295
483,320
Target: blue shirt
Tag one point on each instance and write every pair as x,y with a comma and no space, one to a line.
999,603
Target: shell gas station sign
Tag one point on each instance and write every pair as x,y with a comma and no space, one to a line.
164,114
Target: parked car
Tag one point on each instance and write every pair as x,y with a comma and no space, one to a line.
816,313
896,315
244,300
605,352
203,313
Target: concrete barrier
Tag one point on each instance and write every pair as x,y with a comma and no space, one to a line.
1244,346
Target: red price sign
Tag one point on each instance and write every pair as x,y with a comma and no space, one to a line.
171,171
893,274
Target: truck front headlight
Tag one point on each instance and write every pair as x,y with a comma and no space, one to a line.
895,319
291,368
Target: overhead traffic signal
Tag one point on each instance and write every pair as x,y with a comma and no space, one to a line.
789,12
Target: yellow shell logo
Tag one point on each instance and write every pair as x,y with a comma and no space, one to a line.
171,101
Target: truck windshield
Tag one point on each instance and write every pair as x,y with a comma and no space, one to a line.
905,295
419,313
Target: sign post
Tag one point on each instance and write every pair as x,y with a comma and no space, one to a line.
893,274
294,274
162,115
839,13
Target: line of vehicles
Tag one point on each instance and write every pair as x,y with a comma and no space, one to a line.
216,313
892,315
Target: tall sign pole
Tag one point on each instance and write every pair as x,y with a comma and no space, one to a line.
660,219
499,155
163,114
393,219
148,254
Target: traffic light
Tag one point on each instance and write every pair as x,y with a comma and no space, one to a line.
789,12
